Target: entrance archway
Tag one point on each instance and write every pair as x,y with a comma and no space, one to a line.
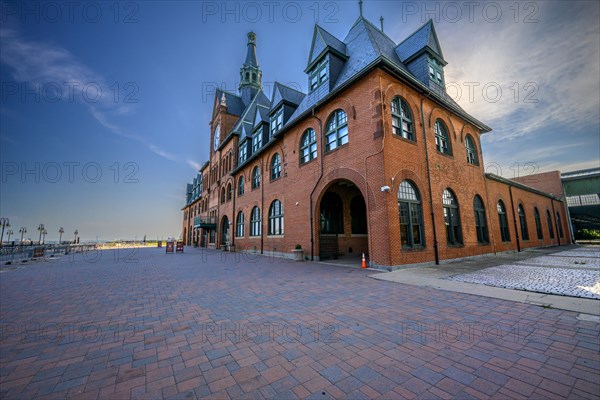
343,229
225,231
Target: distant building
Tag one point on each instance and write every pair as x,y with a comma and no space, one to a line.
375,158
582,190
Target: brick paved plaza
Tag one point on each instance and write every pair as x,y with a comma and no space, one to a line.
144,324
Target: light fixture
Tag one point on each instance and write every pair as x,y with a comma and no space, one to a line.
385,188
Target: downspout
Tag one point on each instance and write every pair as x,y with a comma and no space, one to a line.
555,221
435,241
262,206
369,231
512,205
320,149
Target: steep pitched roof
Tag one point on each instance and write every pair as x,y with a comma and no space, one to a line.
235,105
283,93
322,41
247,118
423,38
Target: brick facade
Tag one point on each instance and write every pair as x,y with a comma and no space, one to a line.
359,171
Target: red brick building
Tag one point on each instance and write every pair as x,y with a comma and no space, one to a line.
375,158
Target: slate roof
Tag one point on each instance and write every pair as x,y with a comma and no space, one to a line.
424,37
322,40
235,105
248,116
285,93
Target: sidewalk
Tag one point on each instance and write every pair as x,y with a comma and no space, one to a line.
437,277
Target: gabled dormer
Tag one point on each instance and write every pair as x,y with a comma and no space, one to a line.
260,130
422,54
284,102
326,59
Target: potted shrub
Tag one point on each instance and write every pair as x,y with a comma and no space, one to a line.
298,253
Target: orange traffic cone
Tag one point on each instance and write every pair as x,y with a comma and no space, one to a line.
364,262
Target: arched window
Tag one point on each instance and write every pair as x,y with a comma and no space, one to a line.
452,218
549,220
222,195
471,151
276,218
255,177
402,121
538,223
503,219
442,141
239,227
241,183
254,76
480,221
255,222
358,215
337,130
308,146
559,225
523,223
275,167
411,220
229,192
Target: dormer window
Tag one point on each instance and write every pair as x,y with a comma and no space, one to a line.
243,153
277,121
318,74
256,141
436,71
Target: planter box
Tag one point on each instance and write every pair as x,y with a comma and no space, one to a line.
298,254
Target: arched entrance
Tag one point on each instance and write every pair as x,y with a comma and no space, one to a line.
225,231
343,230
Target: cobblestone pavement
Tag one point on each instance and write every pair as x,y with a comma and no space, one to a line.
150,325
571,273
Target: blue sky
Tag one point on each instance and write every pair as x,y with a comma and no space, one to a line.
105,106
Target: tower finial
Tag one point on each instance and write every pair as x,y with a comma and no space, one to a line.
360,2
381,21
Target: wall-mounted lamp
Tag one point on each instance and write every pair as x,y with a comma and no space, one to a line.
385,188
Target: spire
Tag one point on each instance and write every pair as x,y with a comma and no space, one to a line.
251,54
360,2
381,21
250,73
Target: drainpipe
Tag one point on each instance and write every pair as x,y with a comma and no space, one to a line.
512,205
435,241
262,206
369,231
319,149
555,221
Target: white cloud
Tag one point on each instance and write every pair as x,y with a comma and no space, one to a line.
35,63
194,165
558,57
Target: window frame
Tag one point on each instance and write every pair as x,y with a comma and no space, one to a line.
523,222
255,177
454,235
255,223
276,122
318,75
538,223
256,141
334,127
442,136
411,206
240,226
275,167
243,153
308,146
436,71
480,221
472,157
276,218
399,110
503,221
549,220
241,186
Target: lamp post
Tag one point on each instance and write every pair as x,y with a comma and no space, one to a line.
76,233
10,232
41,229
60,231
5,224
22,231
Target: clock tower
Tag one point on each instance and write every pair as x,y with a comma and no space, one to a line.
250,73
